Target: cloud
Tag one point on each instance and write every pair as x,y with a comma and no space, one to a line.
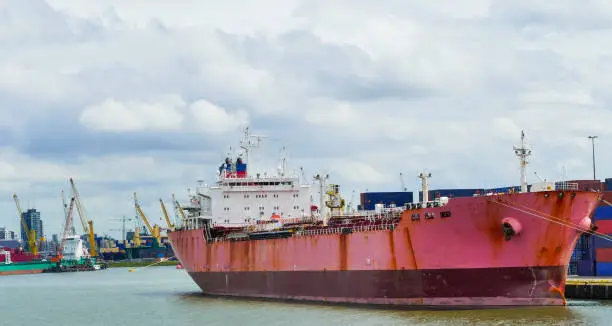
126,97
213,119
113,115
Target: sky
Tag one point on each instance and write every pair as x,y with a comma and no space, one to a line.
147,96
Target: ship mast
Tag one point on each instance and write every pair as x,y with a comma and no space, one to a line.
248,143
425,187
523,152
282,165
322,210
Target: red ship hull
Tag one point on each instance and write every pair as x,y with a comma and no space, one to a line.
457,256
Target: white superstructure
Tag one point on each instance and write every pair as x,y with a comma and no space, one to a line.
74,248
238,199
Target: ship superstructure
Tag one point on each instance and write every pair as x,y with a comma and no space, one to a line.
240,200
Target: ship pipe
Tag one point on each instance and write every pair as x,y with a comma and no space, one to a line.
511,227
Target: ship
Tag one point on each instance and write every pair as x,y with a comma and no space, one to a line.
74,257
18,261
260,236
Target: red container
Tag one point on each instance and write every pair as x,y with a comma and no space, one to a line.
603,255
604,226
587,185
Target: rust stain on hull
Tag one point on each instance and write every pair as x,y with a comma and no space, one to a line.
392,249
410,247
343,252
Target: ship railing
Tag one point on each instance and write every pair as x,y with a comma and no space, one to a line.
564,185
338,230
373,215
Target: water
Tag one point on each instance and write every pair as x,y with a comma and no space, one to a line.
167,296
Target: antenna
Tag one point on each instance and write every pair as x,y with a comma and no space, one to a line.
563,176
248,142
523,152
304,180
283,159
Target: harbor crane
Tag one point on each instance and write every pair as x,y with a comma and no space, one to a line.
180,210
30,234
401,176
154,230
67,228
163,207
87,225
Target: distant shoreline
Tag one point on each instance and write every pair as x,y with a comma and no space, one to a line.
112,264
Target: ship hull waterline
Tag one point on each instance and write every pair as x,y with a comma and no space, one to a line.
460,257
457,288
24,268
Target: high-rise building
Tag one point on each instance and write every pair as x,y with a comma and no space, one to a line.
5,234
33,221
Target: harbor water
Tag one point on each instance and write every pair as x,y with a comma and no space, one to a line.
167,296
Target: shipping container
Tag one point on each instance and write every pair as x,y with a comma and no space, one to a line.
588,185
370,199
604,226
585,268
608,184
602,243
603,255
603,213
433,194
603,269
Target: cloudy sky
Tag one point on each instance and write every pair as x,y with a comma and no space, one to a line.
147,96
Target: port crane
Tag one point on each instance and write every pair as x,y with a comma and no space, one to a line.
154,230
87,225
67,228
163,207
180,210
30,234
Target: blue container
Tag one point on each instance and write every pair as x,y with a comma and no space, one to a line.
608,184
603,213
602,243
370,199
585,268
450,193
603,269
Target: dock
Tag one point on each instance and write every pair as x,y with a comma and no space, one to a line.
596,288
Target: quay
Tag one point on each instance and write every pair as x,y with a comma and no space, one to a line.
597,288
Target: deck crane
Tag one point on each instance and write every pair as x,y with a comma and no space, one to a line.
402,182
180,210
170,225
87,225
30,234
154,230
